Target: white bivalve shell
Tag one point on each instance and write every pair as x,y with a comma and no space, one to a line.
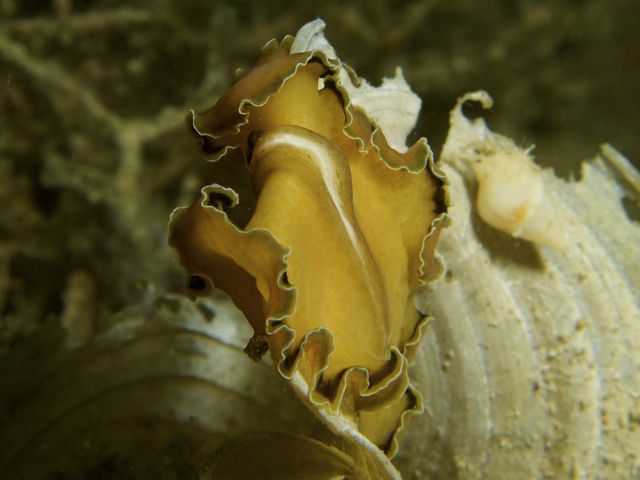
531,366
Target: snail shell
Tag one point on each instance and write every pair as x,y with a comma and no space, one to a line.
511,194
512,198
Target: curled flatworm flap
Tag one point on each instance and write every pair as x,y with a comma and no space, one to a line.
246,265
253,89
230,121
341,237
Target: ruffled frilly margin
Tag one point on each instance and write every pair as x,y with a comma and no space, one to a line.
251,265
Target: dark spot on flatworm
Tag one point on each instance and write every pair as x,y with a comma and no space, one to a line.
277,323
196,283
208,145
284,278
252,139
331,85
219,200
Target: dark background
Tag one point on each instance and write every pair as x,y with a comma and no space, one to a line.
94,152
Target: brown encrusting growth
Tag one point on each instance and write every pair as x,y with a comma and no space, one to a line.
342,234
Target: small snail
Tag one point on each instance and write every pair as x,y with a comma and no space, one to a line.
511,194
512,197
